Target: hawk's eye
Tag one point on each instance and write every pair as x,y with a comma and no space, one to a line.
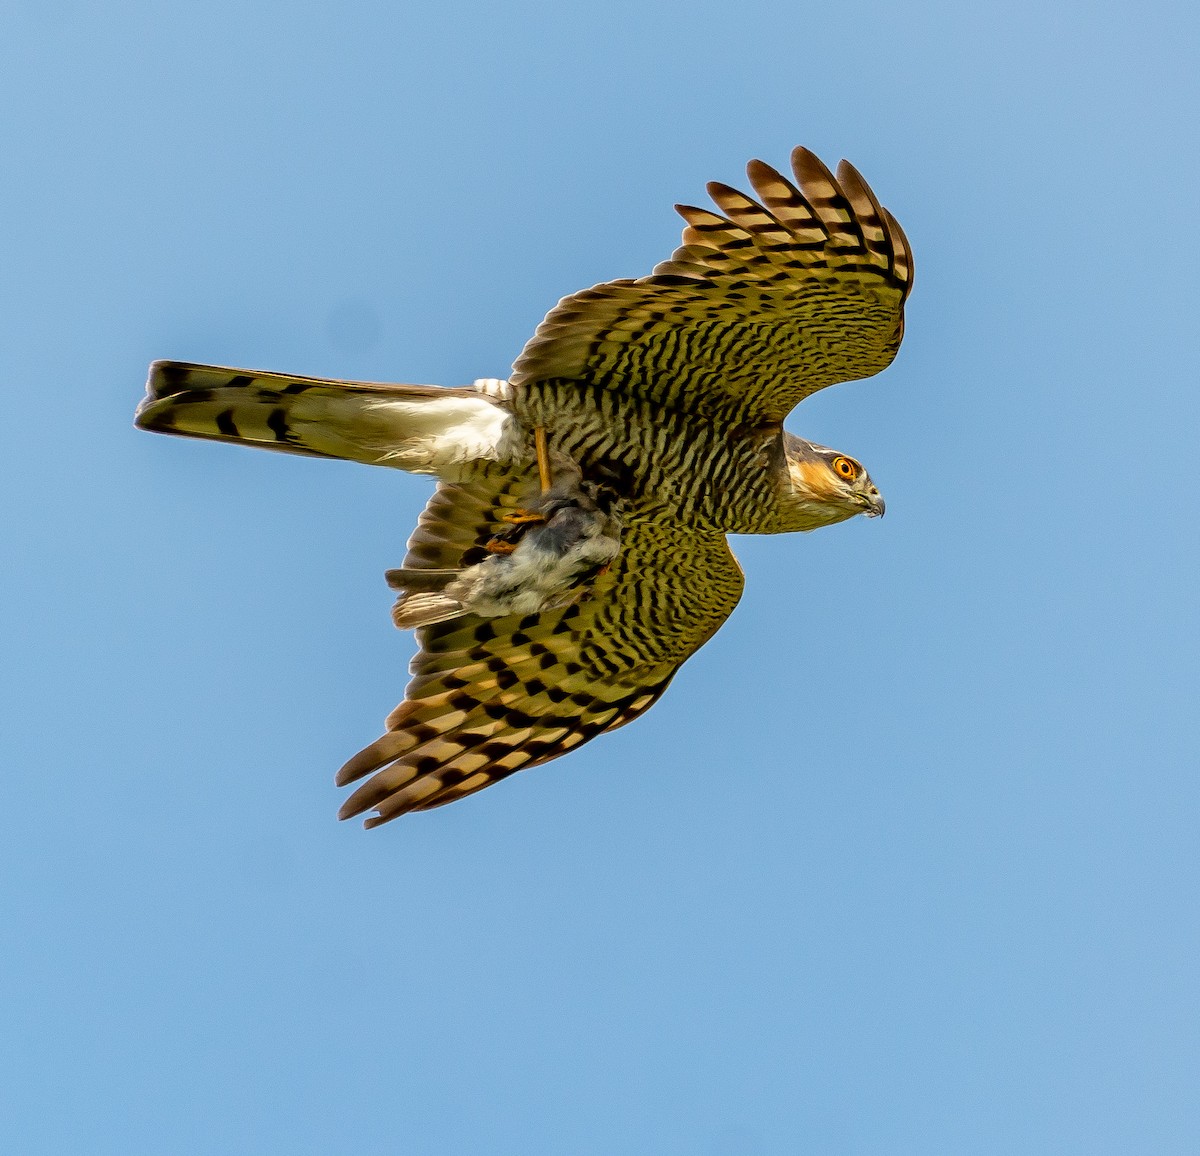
845,468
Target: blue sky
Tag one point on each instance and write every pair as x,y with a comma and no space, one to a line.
905,862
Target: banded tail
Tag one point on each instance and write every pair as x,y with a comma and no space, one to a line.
422,428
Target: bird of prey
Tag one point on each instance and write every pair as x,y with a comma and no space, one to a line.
548,615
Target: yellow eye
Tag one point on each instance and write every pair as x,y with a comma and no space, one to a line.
845,468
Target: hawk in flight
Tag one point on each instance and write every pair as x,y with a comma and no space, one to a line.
651,409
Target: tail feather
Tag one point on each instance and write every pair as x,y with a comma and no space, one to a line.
423,428
421,581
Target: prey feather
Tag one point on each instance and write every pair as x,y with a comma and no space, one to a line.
544,559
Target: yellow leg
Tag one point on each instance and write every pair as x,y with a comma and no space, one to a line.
543,456
519,516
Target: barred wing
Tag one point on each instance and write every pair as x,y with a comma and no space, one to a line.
759,308
490,697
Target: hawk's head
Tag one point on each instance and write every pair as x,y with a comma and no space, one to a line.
827,486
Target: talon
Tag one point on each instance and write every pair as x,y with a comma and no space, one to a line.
500,546
521,517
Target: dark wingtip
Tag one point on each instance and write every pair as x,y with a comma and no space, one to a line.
167,378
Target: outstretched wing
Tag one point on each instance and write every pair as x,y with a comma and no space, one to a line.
491,696
759,308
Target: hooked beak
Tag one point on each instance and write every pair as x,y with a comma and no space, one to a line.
873,504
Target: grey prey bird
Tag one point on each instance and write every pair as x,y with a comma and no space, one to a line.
574,553
543,559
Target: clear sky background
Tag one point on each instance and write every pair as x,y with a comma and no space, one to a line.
907,859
